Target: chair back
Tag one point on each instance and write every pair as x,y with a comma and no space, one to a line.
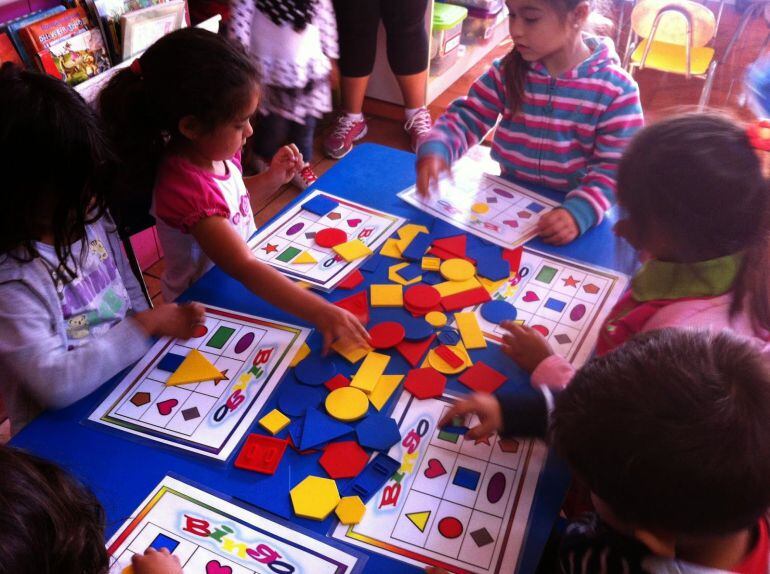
674,18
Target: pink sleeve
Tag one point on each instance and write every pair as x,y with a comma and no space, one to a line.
236,159
555,373
183,197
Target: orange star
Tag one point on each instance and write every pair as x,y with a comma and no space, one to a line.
570,281
270,248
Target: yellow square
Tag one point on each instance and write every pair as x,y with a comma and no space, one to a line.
352,250
390,249
274,421
350,353
431,263
386,295
370,371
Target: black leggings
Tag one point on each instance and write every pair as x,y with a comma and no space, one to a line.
404,20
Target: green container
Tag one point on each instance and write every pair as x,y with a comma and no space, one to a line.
445,37
447,16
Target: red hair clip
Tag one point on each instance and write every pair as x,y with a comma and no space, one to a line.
759,135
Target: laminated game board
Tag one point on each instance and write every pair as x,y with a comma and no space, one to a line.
245,355
289,243
212,535
459,504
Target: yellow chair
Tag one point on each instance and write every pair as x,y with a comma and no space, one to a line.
673,36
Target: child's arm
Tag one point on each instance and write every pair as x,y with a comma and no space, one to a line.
239,24
283,167
227,249
466,122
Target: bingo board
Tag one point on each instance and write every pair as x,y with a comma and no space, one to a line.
212,535
487,206
208,418
289,240
458,504
565,300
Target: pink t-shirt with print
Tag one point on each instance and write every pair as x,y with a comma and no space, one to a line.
184,194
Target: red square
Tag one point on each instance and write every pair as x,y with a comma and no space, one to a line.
482,378
261,453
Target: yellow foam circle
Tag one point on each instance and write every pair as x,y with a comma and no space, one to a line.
347,404
457,270
436,318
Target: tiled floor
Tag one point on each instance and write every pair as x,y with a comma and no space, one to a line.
661,95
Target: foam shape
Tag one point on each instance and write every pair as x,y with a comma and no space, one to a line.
195,368
479,208
274,421
383,390
371,264
410,272
442,366
465,299
390,249
407,233
315,497
414,351
378,432
343,459
393,274
352,250
448,336
352,281
422,297
436,318
315,370
416,329
417,247
350,510
425,383
470,331
448,288
347,404
350,352
370,372
264,495
319,428
455,245
320,205
513,256
294,399
303,352
373,477
304,258
261,453
387,295
386,334
482,378
432,278
337,382
330,237
358,304
498,311
457,270
449,356
430,263
494,269
492,287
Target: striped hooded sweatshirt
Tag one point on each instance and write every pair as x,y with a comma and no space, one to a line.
568,134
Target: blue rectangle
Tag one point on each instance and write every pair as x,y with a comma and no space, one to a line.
410,272
163,541
535,207
170,363
417,248
555,305
467,478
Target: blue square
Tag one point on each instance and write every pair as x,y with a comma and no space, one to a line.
170,363
555,305
466,478
410,272
319,205
535,207
417,248
163,541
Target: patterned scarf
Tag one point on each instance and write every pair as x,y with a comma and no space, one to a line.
298,13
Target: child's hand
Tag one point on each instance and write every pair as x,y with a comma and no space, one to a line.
155,562
336,323
172,320
429,170
558,227
525,346
484,406
285,164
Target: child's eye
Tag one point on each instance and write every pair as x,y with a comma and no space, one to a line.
531,20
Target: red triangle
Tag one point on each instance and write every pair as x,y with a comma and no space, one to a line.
351,281
455,245
513,256
414,351
357,304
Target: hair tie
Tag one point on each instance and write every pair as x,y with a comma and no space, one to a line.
759,139
136,68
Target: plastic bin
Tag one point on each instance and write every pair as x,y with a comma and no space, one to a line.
480,24
446,36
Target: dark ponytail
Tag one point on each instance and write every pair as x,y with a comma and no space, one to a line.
515,69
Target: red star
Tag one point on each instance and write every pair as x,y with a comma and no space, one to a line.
570,281
484,440
270,248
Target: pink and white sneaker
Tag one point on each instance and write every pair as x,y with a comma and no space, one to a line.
340,139
305,177
418,126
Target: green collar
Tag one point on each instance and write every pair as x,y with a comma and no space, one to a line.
665,280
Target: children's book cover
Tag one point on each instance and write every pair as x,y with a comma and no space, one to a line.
7,52
39,36
76,59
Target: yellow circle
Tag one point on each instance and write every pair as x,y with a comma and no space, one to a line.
347,404
457,270
436,318
442,366
479,208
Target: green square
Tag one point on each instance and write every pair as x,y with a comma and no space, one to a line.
448,436
288,254
220,337
546,274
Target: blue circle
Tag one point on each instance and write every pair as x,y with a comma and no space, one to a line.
315,370
498,311
294,400
449,336
416,329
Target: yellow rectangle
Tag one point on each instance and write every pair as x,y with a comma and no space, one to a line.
351,354
386,295
431,263
370,371
447,288
470,331
384,389
390,249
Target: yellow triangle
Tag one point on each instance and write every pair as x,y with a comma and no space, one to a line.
195,369
303,257
419,519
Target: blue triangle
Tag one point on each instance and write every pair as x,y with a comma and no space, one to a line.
320,428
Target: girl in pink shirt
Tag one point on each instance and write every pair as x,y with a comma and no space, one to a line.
180,115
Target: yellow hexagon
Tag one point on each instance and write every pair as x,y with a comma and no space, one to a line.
350,510
315,497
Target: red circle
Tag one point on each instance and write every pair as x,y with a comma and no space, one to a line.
330,237
450,527
199,331
422,297
540,329
387,334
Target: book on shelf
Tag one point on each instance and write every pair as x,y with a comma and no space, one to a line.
38,36
78,58
13,28
7,52
144,27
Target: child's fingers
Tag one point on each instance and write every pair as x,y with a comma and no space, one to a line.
295,154
327,344
481,430
423,181
461,408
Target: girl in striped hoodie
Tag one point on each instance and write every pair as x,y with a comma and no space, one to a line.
566,110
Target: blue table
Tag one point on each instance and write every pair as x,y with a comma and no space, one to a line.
122,471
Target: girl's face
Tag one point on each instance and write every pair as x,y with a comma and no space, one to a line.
539,31
226,139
